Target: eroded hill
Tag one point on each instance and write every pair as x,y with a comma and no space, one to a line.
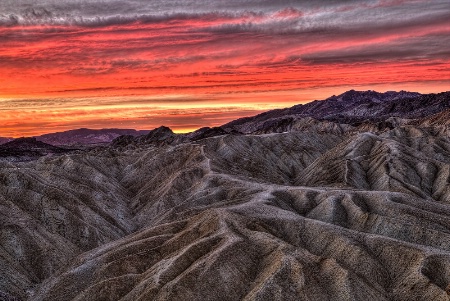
324,211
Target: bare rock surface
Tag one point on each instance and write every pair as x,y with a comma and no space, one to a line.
319,211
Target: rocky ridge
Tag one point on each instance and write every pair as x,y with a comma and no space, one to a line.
303,209
26,149
352,107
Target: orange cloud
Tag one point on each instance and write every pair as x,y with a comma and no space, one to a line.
151,71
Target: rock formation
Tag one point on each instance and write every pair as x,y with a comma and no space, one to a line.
300,209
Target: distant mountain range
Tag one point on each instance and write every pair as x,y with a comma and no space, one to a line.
352,108
25,149
83,136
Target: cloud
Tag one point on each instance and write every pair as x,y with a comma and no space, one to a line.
38,120
430,47
98,53
106,13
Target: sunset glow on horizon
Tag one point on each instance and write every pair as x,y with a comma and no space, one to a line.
134,64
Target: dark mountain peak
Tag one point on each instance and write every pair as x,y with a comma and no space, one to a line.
27,143
159,134
162,129
28,148
352,96
123,140
351,107
165,136
207,132
24,140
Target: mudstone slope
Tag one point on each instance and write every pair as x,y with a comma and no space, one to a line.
303,209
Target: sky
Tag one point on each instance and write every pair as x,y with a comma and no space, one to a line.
67,64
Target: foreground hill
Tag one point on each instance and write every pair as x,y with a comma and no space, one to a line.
324,211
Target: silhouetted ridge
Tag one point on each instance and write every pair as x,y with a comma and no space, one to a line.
26,143
352,107
157,137
28,149
161,134
207,132
84,136
165,136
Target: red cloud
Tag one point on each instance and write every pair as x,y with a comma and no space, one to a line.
235,59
